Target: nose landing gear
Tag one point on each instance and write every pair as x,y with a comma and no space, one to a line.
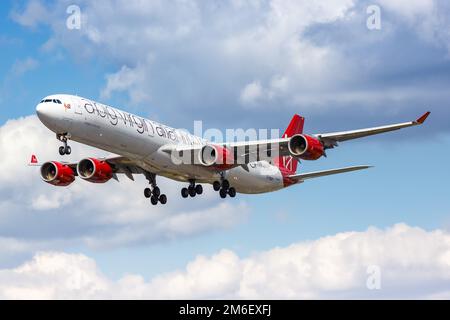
65,149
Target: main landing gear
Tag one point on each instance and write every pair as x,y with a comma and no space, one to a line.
154,193
192,190
65,149
223,186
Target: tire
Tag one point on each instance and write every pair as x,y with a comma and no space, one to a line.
156,192
68,150
62,151
216,185
223,193
232,192
154,200
184,193
147,193
225,184
199,189
163,199
192,192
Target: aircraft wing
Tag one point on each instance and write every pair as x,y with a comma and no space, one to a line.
244,152
304,176
330,139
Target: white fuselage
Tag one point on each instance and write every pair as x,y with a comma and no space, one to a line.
141,140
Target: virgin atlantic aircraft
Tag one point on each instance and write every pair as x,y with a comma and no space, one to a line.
146,147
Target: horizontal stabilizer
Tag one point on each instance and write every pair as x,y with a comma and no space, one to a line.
316,174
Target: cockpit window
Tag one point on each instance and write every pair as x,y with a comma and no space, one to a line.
51,100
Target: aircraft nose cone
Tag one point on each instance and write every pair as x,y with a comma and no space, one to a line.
40,110
45,113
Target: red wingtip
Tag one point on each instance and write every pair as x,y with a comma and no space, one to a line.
423,117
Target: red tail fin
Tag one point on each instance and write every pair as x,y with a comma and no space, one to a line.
288,164
33,161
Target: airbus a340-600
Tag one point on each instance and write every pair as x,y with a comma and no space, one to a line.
146,147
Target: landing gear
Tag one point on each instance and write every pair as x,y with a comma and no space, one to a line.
154,193
154,200
223,186
216,185
192,190
163,199
65,149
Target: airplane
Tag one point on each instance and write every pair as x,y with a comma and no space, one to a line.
152,149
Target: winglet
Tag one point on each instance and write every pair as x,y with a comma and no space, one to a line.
423,118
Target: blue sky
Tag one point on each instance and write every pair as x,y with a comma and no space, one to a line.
246,64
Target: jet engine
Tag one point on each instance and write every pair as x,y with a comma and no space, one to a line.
216,156
94,170
305,147
57,174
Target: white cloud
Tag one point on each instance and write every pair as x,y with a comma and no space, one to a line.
414,263
231,55
186,40
254,93
131,80
409,9
110,215
251,93
23,66
32,15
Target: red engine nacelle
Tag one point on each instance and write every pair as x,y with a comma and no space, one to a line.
217,157
57,174
94,170
305,147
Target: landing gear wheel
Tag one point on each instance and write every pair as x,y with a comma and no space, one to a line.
225,184
62,150
68,150
223,193
216,185
232,192
147,193
163,199
198,189
184,192
156,191
192,192
154,200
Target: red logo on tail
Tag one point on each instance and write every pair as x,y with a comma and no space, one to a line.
34,159
288,164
